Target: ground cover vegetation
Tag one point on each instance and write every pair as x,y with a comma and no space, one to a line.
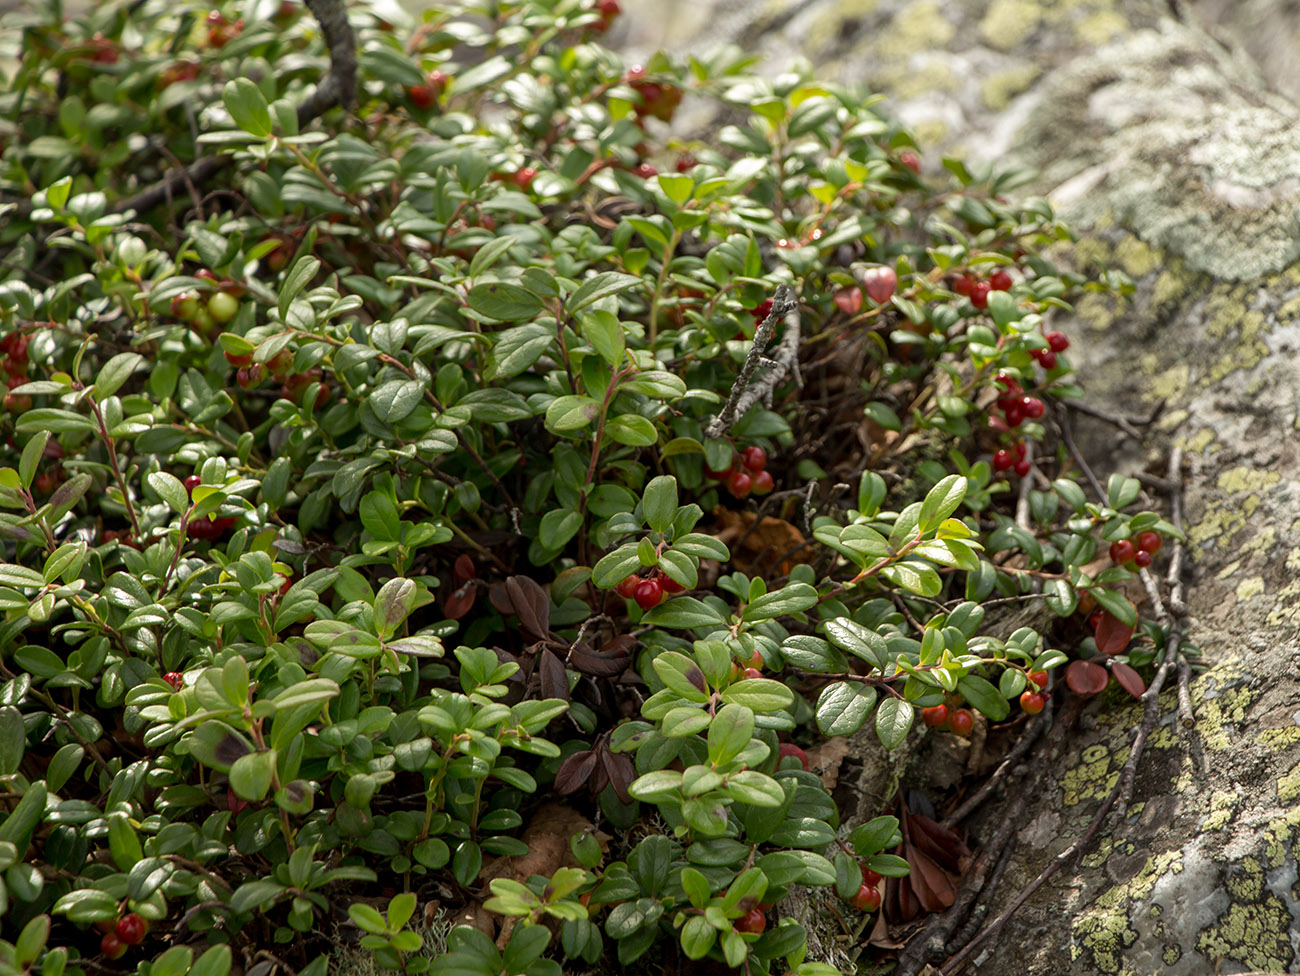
426,483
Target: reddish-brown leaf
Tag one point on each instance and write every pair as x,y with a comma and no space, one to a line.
1128,679
461,601
600,664
574,772
1086,678
944,846
1112,634
554,680
932,885
621,772
531,605
463,569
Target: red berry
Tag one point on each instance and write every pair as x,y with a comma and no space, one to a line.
1142,559
45,482
911,160
1033,407
648,594
249,376
762,483
421,96
205,274
752,673
753,921
1032,702
1008,382
239,359
979,294
1121,551
1057,341
754,458
15,344
1022,468
961,721
192,482
869,877
524,176
686,163
1038,678
879,283
739,484
111,946
1046,358
1015,414
669,584
1000,280
635,73
789,748
132,929
723,475
1002,460
761,312
627,588
935,715
964,285
1149,541
646,171
866,899
21,402
1018,449
175,679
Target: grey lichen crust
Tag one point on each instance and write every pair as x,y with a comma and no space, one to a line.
1177,166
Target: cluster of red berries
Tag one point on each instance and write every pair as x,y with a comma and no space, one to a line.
221,31
1013,457
426,96
648,591
1138,550
1032,699
1015,405
977,290
221,306
867,897
14,367
608,10
950,717
657,101
747,473
753,922
127,931
175,679
209,527
1056,342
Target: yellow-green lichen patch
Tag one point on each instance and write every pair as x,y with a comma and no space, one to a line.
919,27
1007,23
1279,738
1246,355
1255,935
1169,384
1223,804
1288,785
1216,714
1286,606
1251,586
1218,521
1245,880
935,75
1247,479
1198,442
999,89
1169,287
1104,930
829,27
1171,954
1282,835
1096,311
1136,258
1095,775
1101,27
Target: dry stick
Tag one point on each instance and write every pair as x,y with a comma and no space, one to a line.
1067,435
338,87
1022,503
743,396
1174,579
1026,741
1115,420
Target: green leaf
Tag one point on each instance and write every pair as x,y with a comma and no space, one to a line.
599,286
1122,492
53,420
298,277
698,936
915,577
250,775
489,254
791,598
893,721
115,372
571,412
616,566
843,707
941,501
13,740
558,526
605,333
30,461
632,430
659,503
684,612
1116,605
247,106
761,694
504,301
169,488
984,697
859,640
729,733
393,604
682,676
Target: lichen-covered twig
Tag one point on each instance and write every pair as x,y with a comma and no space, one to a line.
338,87
743,395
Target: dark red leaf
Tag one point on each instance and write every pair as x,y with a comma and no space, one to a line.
621,772
1129,679
1112,634
938,842
1086,678
555,682
574,772
932,885
463,570
531,605
600,665
461,601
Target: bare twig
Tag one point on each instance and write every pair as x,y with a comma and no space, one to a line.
743,396
1026,741
1067,435
1022,503
338,87
1126,424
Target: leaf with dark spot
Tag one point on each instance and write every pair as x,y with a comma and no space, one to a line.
230,748
696,677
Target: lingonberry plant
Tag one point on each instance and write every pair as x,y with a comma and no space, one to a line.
425,484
